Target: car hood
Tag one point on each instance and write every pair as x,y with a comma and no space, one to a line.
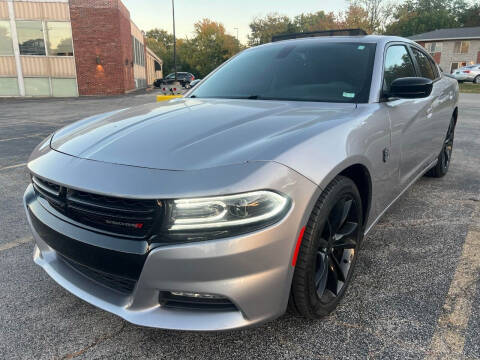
191,134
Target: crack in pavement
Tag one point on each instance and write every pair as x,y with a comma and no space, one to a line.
97,341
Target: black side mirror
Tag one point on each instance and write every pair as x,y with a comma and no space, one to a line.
411,88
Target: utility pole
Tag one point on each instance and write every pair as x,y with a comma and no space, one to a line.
237,32
174,42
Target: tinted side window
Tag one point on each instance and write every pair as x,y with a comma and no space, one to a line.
435,69
426,69
398,64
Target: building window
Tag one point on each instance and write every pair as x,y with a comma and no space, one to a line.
37,87
64,87
59,38
457,65
6,46
461,47
433,47
9,86
30,38
138,52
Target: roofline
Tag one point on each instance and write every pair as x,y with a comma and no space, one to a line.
452,38
319,33
155,56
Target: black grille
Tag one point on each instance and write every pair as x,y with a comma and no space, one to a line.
114,282
119,216
170,300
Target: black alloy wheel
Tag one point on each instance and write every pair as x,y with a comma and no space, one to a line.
328,251
445,157
448,147
336,250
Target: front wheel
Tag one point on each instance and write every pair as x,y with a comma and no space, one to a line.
328,250
445,157
477,80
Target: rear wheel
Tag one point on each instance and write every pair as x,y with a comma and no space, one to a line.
445,156
328,251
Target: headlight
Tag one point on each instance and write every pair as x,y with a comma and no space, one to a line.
247,211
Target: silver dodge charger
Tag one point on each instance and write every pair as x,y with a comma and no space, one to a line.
249,196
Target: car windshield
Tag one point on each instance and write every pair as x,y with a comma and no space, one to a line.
299,71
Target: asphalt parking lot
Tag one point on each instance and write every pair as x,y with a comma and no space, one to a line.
415,295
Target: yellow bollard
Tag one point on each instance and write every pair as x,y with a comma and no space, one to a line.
167,97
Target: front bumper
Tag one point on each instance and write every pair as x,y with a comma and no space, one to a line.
253,271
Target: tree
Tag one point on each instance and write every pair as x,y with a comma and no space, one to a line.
470,16
163,37
356,17
210,47
419,16
315,22
161,43
375,13
262,29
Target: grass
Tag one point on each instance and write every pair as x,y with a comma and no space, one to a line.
470,88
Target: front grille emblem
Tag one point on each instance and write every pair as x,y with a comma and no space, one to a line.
120,223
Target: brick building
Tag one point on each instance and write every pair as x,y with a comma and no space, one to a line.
71,48
452,48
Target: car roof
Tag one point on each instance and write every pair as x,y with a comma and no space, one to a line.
375,39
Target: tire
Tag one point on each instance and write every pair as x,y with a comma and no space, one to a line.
445,157
325,257
477,80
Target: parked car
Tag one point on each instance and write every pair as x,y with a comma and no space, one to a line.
468,73
253,193
184,78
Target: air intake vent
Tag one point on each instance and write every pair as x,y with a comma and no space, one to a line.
114,282
168,299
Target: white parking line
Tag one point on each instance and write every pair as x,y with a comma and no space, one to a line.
13,166
15,243
448,340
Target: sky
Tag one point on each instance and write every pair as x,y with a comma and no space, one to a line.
149,14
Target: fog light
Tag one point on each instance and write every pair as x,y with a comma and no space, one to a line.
196,295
